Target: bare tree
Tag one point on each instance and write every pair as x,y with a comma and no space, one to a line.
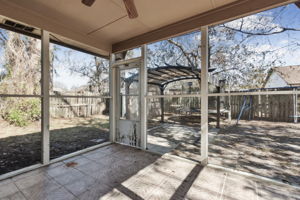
241,51
96,70
21,70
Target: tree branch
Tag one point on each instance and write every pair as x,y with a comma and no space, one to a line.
183,51
283,29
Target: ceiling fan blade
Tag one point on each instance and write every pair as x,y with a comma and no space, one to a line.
131,9
88,2
297,4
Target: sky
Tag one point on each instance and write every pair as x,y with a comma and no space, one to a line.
288,16
63,75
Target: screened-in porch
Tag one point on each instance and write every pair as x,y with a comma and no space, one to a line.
109,99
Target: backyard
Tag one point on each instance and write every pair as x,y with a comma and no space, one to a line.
226,95
264,148
21,146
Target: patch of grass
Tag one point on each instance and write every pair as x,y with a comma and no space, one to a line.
23,112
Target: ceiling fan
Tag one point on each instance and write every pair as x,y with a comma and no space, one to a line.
129,5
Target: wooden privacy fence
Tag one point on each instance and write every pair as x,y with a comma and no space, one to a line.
279,108
64,107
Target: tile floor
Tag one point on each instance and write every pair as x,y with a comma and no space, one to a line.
120,172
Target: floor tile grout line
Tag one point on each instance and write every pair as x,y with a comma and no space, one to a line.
71,192
20,190
256,191
254,176
61,185
223,186
111,154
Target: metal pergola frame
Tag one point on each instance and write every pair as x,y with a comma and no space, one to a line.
162,76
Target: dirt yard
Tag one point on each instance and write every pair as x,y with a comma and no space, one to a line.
21,146
270,149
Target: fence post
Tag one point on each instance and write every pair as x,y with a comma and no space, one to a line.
295,107
45,97
229,108
162,105
218,106
259,106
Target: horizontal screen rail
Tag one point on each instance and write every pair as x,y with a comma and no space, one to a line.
21,95
81,96
255,93
227,94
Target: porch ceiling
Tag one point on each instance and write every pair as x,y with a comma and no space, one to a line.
105,27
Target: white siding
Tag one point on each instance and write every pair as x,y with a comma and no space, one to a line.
275,81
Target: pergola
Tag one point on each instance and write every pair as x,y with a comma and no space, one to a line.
104,29
162,76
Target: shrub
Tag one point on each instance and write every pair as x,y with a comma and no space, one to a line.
23,112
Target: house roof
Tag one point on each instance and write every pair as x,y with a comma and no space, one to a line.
290,74
105,27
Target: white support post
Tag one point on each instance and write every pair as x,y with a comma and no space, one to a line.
229,109
113,100
295,97
143,99
45,97
204,95
296,120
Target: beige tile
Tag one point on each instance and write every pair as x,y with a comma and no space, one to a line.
209,184
58,171
169,189
81,185
176,188
95,191
30,173
54,194
111,161
90,168
6,181
15,196
28,181
238,187
146,182
69,177
7,189
116,194
103,151
129,154
77,161
95,156
40,190
60,194
118,172
53,165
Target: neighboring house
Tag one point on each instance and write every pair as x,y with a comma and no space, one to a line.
288,76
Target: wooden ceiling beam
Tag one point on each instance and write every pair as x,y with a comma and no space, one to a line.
227,12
